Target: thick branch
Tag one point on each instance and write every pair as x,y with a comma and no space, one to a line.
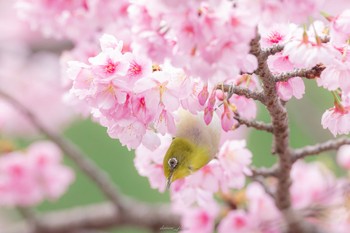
332,144
102,216
241,91
97,175
280,126
279,120
312,73
30,217
254,124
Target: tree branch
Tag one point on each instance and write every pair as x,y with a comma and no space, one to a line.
266,188
241,91
254,124
312,73
265,172
333,144
100,178
30,217
272,50
280,125
128,212
279,120
101,216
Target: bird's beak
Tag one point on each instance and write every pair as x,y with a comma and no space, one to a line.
169,180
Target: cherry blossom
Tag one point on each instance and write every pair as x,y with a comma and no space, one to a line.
343,157
237,221
339,30
198,221
44,93
336,119
133,66
293,87
149,163
28,178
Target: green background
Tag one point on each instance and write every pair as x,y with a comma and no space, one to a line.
304,119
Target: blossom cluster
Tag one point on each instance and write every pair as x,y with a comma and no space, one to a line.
137,99
208,42
142,61
323,43
31,176
219,193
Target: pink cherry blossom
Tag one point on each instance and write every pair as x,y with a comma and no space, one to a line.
321,190
227,120
203,95
337,119
71,19
43,92
340,30
245,107
264,214
236,221
209,178
198,221
27,178
293,87
343,156
306,52
278,34
235,159
279,63
109,63
336,74
149,163
185,196
53,177
299,11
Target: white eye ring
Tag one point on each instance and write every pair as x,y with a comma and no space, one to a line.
172,163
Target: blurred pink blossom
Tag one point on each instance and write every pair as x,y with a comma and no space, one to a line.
198,221
23,77
343,157
27,178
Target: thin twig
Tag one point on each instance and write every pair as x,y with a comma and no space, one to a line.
102,216
272,50
241,91
101,179
333,144
265,172
254,124
312,73
266,188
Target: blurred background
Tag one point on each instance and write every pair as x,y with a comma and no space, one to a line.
117,161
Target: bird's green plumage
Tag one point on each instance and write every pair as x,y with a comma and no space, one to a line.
194,145
189,156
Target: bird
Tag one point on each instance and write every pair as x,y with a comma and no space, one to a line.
194,145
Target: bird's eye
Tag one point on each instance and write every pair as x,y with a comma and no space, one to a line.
172,162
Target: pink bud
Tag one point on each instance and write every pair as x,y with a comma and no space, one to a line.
203,95
227,119
208,115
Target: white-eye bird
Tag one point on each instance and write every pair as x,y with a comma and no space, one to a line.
194,145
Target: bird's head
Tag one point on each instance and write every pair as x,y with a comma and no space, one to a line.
176,163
